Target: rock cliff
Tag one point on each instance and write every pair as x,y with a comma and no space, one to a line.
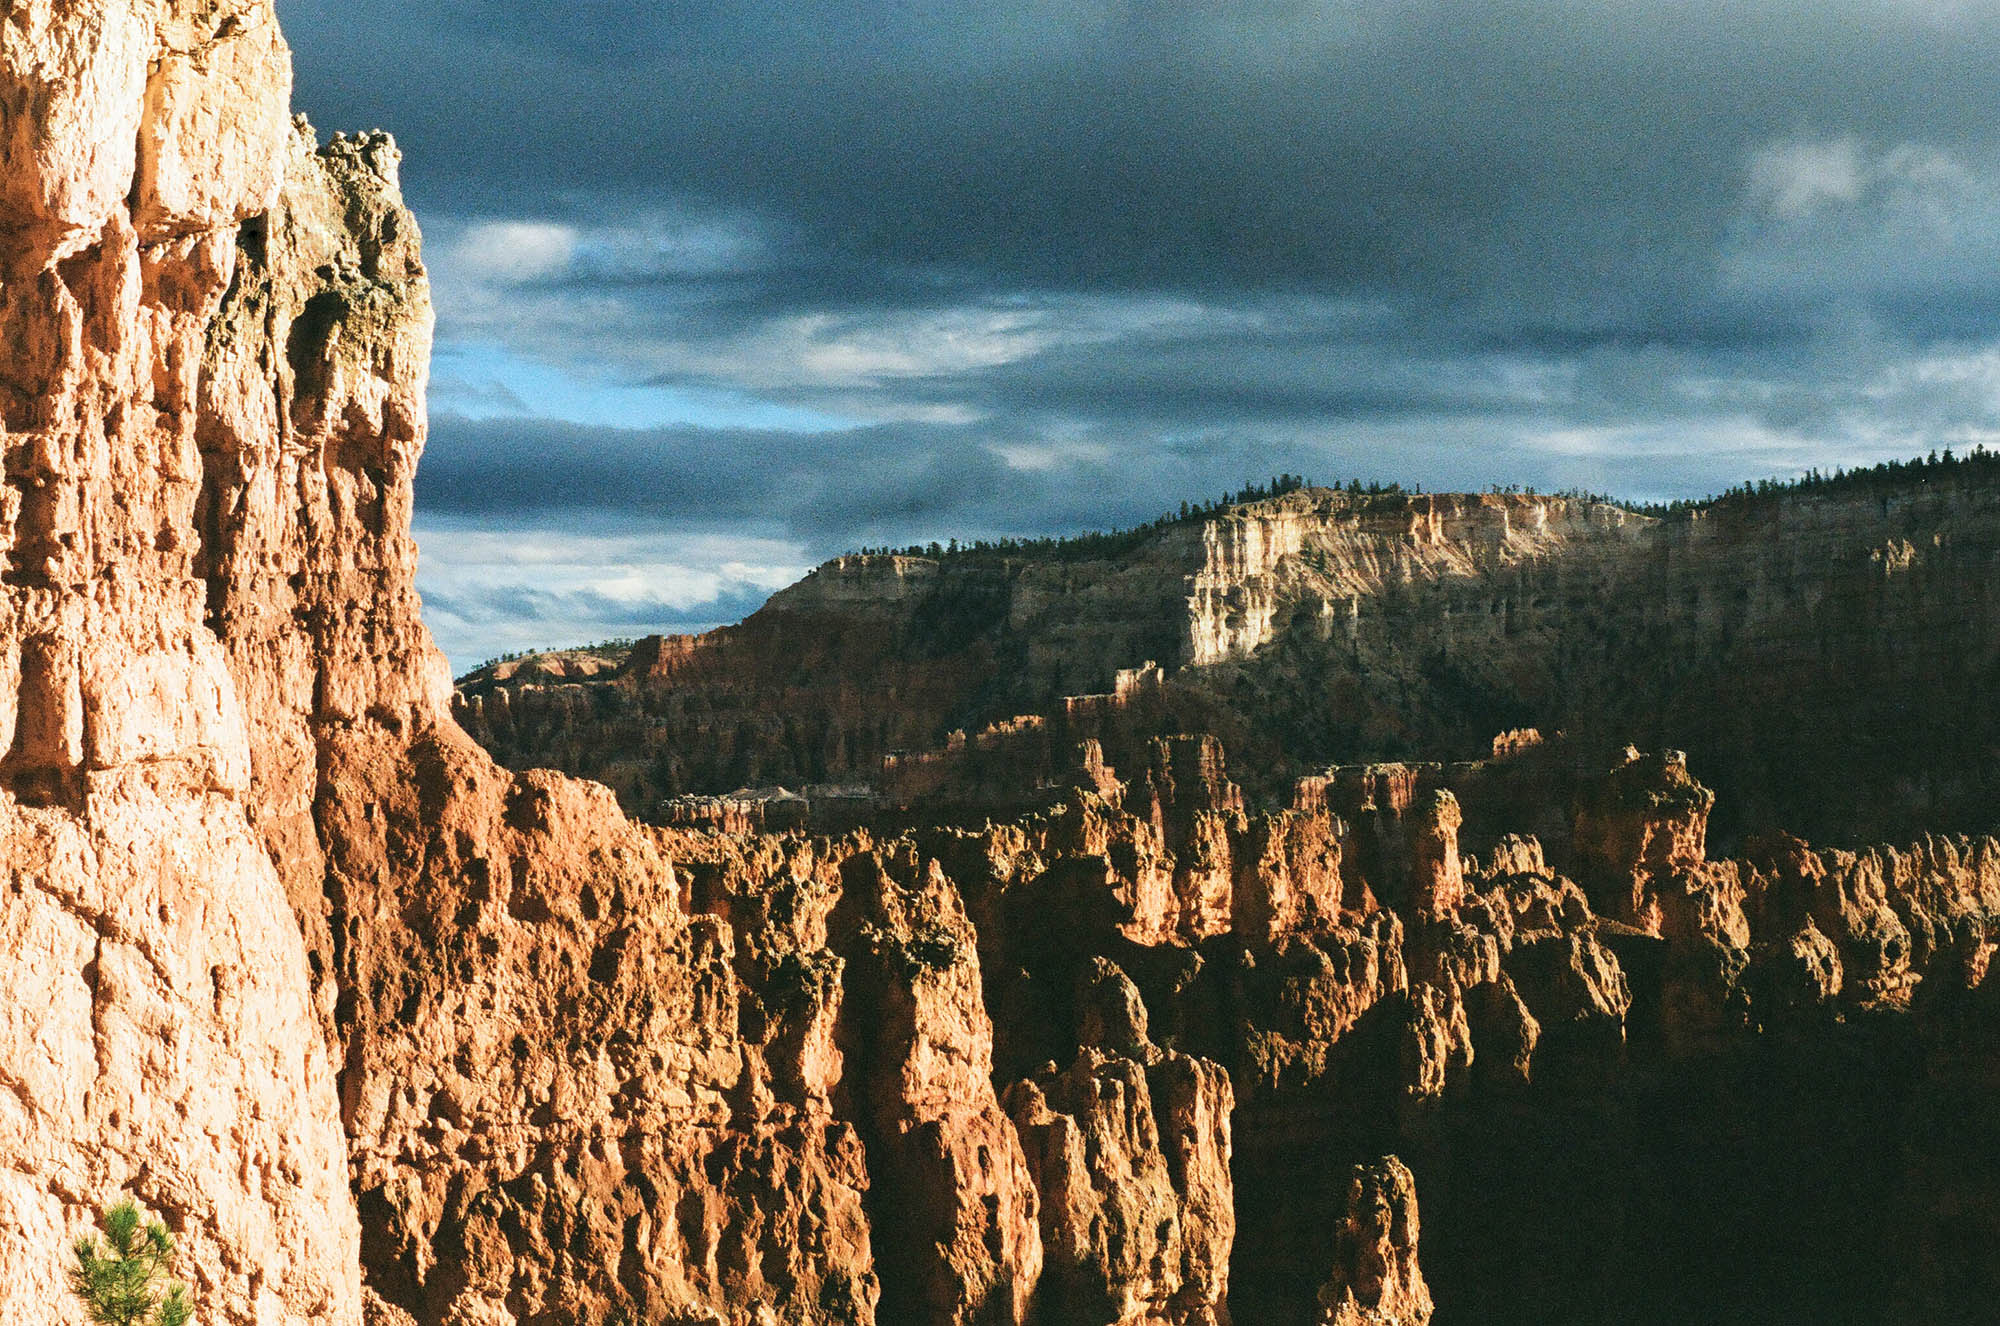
1321,626
390,1033
162,1034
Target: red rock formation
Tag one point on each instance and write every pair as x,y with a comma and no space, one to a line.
1130,1150
558,1099
1376,1280
1196,811
553,1097
1643,822
383,1028
1299,998
162,1033
1321,626
956,1208
1437,878
1288,878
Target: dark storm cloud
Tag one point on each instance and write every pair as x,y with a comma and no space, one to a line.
828,493
705,476
1519,173
1577,157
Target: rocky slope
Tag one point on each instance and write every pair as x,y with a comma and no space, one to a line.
1323,627
389,1033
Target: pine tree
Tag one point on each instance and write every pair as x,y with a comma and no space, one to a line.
119,1280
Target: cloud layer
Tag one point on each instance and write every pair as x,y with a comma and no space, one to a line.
791,278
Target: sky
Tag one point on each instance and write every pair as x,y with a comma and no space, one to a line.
727,288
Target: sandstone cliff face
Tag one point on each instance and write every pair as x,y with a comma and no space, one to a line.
1130,1151
1643,824
1483,988
1313,563
244,848
161,1035
1376,1280
561,1096
799,692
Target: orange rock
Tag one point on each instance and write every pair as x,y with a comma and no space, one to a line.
163,1032
956,1211
390,1033
1642,822
1376,1280
1130,1150
1437,878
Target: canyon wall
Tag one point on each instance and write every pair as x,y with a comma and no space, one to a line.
387,1032
381,1030
1323,627
160,1034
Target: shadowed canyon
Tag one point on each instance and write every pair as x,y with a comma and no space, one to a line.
1357,908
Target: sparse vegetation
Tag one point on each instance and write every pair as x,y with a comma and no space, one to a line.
1111,543
930,948
615,645
1980,462
122,1279
1977,463
802,981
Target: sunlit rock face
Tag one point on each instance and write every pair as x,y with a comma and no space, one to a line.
387,1032
1322,627
1376,1280
161,1035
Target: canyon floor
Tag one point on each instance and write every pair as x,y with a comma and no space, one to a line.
1334,908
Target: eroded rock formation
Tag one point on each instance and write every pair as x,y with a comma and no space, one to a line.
1130,1151
388,1032
1376,1280
1322,626
161,1033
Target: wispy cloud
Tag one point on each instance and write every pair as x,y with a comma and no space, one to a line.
491,589
507,252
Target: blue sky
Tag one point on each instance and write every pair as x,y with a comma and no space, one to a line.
727,288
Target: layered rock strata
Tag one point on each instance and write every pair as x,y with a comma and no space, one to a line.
161,1034
387,1032
1323,626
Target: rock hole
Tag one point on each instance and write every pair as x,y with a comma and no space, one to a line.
252,238
308,342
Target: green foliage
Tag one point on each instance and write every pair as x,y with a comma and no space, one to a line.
1111,543
617,644
119,1279
1882,480
802,981
1978,463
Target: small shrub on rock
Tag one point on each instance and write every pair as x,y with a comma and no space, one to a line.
120,1278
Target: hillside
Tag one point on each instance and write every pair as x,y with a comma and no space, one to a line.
1821,652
